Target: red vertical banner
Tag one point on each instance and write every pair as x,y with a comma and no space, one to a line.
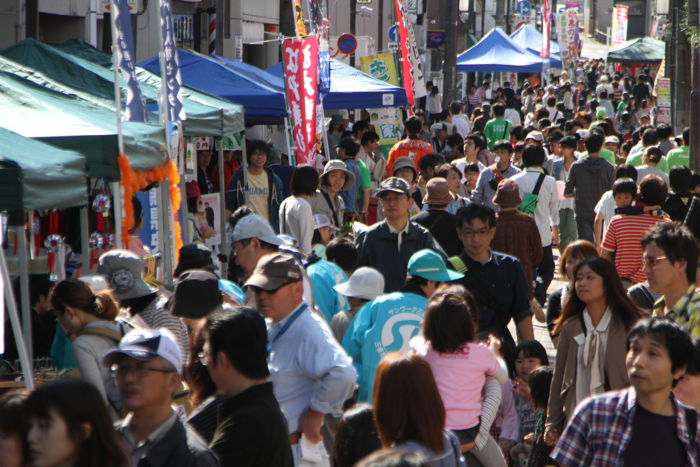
406,68
300,57
546,27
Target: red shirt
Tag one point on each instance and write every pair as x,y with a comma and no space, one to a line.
623,237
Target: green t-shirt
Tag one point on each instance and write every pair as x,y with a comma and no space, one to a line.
622,106
604,153
366,181
636,160
679,156
497,129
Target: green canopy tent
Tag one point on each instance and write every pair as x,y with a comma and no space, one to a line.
33,175
70,122
206,115
639,50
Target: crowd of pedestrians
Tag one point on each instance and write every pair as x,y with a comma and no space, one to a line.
364,316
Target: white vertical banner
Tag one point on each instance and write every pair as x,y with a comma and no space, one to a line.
619,24
2,291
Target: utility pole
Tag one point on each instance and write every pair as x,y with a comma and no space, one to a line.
500,14
287,19
450,59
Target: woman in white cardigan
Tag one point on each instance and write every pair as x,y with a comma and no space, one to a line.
296,215
89,320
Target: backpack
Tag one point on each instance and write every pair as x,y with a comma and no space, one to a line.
529,202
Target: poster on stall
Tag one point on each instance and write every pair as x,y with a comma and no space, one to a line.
620,17
380,66
663,100
208,220
300,60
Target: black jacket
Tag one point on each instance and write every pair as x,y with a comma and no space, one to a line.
378,247
252,430
180,447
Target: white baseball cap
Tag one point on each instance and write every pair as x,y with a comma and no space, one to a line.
365,283
254,226
147,344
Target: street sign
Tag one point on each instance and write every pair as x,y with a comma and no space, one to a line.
394,46
393,34
347,43
523,7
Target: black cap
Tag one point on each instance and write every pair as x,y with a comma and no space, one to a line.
196,294
194,256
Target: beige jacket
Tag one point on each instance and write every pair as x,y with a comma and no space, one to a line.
562,394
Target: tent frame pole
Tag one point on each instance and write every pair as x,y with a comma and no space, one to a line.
85,240
223,246
22,349
24,286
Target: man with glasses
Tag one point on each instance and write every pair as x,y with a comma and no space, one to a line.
251,429
388,245
147,366
311,374
496,280
670,263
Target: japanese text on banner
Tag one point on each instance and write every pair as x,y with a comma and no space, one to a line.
135,108
301,82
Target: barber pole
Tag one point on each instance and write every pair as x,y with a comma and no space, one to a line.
212,33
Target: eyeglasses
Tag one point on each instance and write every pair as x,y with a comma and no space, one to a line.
139,370
202,357
651,262
476,233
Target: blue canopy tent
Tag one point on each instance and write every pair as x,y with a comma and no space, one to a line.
353,89
263,102
530,39
495,52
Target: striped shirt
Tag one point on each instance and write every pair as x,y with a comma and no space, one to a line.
623,237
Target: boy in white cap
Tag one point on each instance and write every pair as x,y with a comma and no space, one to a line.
365,284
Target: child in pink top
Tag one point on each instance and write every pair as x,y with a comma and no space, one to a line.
459,365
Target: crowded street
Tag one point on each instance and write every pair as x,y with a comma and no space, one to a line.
372,233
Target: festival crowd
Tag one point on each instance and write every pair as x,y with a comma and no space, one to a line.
379,311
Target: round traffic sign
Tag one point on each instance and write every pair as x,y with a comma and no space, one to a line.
347,43
393,34
523,7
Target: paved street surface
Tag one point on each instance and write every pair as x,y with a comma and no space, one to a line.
593,48
541,333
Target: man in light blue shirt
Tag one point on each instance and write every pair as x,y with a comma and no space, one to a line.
387,323
311,374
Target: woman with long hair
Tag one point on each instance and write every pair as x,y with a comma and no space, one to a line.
69,425
592,333
90,321
409,412
574,253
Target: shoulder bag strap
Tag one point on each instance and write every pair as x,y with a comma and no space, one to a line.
330,205
538,185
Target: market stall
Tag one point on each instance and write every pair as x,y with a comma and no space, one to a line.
353,89
529,38
33,176
496,52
